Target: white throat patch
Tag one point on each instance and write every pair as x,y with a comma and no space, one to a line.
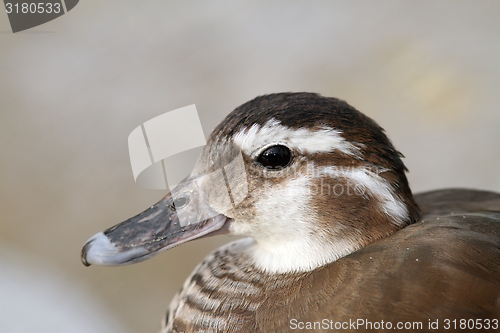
287,235
286,229
283,230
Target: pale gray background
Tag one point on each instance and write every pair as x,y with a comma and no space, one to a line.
73,89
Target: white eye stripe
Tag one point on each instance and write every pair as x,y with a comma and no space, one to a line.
256,138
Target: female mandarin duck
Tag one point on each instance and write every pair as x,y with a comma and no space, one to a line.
336,240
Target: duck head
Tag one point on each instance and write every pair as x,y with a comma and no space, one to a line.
308,178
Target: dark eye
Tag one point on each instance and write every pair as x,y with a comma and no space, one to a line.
179,203
275,157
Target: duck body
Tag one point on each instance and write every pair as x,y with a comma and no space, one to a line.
336,241
423,274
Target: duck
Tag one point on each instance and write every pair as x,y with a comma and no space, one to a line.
333,238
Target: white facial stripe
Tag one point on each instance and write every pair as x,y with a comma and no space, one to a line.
378,186
319,141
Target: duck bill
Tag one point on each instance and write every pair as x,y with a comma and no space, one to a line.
183,215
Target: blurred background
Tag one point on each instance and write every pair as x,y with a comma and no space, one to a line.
73,89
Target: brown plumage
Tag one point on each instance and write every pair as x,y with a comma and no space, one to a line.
356,260
447,266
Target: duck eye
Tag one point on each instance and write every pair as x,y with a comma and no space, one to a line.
275,157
